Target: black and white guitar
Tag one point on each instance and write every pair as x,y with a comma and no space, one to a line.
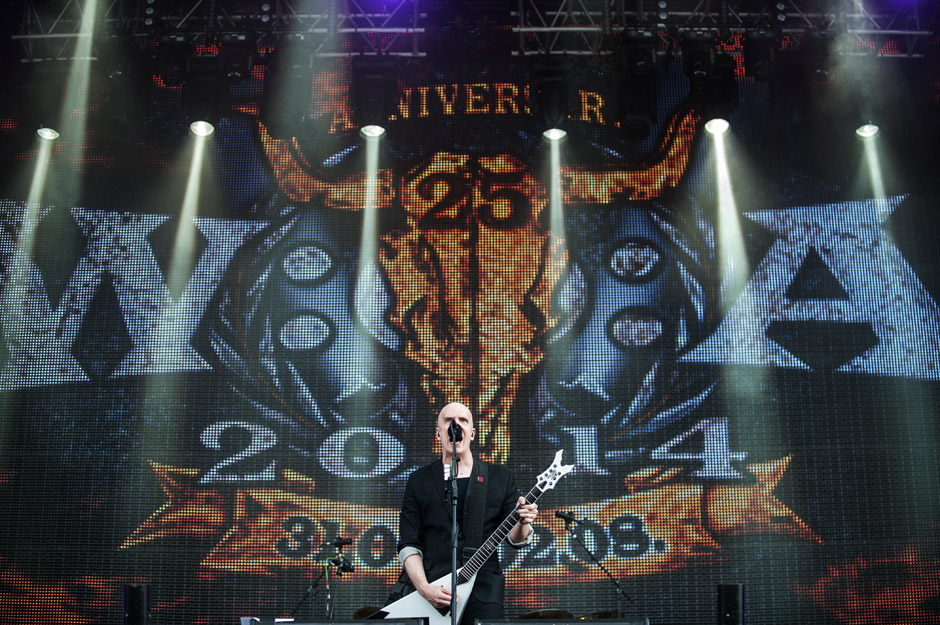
416,606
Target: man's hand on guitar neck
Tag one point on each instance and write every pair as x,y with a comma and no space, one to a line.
528,512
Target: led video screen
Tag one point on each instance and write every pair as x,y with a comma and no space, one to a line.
219,356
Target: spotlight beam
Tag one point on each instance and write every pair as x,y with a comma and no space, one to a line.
368,247
182,259
557,346
555,202
873,162
14,295
732,259
72,118
742,386
367,280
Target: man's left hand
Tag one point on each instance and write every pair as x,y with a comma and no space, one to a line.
528,512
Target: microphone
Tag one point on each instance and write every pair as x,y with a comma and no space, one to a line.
567,517
338,542
454,432
342,564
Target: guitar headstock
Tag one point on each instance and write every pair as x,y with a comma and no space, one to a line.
555,472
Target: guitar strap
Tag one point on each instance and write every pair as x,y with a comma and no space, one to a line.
473,513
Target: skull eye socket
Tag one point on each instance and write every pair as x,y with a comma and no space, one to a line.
307,331
307,264
636,260
635,328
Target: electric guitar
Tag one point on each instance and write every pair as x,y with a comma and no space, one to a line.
416,606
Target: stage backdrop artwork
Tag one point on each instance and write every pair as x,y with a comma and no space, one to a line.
207,379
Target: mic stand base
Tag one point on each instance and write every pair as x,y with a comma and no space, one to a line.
619,589
307,594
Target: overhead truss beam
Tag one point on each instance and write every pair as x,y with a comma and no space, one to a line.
587,27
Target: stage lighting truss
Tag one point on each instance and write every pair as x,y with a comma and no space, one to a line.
590,26
50,29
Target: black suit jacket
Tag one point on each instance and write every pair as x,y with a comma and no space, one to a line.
425,521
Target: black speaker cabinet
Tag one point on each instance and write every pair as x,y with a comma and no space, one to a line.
390,621
600,621
731,604
136,604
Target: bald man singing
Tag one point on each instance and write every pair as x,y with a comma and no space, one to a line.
486,495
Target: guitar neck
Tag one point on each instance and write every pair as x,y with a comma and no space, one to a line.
492,543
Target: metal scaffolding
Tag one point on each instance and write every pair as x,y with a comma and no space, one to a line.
50,30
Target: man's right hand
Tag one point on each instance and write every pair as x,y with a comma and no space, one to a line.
438,596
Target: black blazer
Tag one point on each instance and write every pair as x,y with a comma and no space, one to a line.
425,521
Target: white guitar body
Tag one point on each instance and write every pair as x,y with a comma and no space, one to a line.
414,605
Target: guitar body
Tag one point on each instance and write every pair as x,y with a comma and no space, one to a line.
415,606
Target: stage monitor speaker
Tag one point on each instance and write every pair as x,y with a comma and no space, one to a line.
543,621
136,604
731,604
390,621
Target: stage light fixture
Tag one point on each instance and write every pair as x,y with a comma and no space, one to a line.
662,11
47,83
288,88
816,55
201,128
638,84
372,131
149,12
236,55
637,106
549,82
716,96
129,87
760,48
717,126
203,93
698,54
47,134
867,131
638,52
173,53
373,90
266,11
555,134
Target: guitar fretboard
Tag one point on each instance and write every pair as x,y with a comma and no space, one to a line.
492,543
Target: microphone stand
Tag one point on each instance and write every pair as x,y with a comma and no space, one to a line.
613,580
342,565
313,605
453,537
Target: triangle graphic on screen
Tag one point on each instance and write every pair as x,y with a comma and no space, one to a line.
814,280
